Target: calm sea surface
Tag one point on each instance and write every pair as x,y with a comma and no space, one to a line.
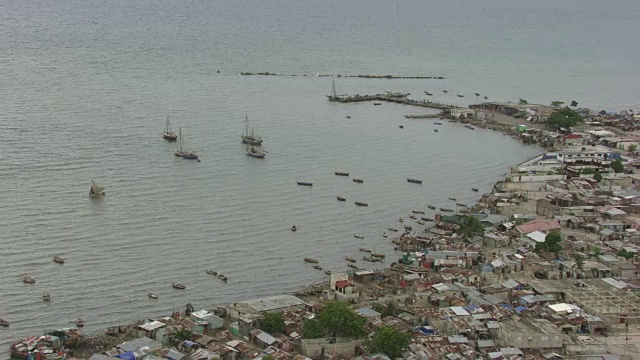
86,87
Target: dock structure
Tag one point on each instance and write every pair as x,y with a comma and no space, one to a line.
399,98
424,116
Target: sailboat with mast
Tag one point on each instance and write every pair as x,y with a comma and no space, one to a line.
96,189
334,95
253,152
249,137
181,152
168,134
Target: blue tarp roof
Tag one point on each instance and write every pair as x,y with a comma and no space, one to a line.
471,307
127,356
520,309
548,157
506,306
426,330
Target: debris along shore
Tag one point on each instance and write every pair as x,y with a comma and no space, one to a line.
364,76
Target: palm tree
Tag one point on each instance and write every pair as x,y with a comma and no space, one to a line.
470,226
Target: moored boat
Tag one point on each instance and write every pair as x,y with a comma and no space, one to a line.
317,267
350,259
401,126
310,260
4,322
421,222
222,277
248,137
96,189
152,295
460,95
407,228
378,255
469,127
365,250
353,266
304,183
384,234
452,199
178,286
46,297
377,103
461,204
168,134
340,173
417,211
79,323
431,207
328,272
435,130
294,228
446,210
368,258
212,272
426,219
412,217
391,228
58,259
474,189
415,181
181,152
359,181
360,203
255,153
340,198
401,220
357,236
437,123
28,279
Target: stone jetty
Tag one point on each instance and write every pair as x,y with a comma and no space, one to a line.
398,98
361,76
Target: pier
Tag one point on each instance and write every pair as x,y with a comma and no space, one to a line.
391,97
424,116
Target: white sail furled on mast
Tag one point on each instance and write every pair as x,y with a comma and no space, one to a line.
96,189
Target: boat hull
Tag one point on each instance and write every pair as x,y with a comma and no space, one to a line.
170,136
256,155
251,141
415,181
361,203
302,183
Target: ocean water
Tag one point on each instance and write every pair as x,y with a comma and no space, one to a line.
87,86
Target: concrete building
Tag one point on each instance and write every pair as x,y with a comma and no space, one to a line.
276,303
531,334
615,307
339,346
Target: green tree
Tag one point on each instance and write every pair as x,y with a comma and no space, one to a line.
597,176
557,103
388,340
390,309
523,102
563,118
595,250
588,171
470,226
338,319
574,103
273,323
579,262
311,329
632,148
626,254
181,335
617,166
268,357
379,308
551,243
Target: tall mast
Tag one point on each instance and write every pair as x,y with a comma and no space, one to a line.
333,88
246,125
167,129
180,140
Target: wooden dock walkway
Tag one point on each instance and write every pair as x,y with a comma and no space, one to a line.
395,98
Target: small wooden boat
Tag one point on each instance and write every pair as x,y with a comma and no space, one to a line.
384,234
27,279
357,236
255,153
222,277
249,137
178,286
294,228
446,210
365,250
353,266
328,272
350,259
304,183
359,181
477,94
428,93
378,255
375,104
474,189
96,189
417,211
391,228
407,228
212,272
348,117
79,323
420,222
452,199
461,204
168,134
368,258
58,259
317,267
469,127
181,151
46,297
310,260
340,198
437,123
340,173
412,217
445,91
426,219
431,207
460,95
486,97
401,126
4,323
401,220
152,295
415,181
435,130
359,203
